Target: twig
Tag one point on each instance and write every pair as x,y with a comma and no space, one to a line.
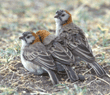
106,65
42,93
103,80
12,76
88,83
4,69
108,75
108,93
106,47
87,71
41,89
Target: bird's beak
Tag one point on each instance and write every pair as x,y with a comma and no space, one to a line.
56,16
21,37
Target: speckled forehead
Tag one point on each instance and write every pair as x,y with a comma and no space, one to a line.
29,34
60,11
26,33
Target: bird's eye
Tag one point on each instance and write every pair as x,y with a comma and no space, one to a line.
28,36
63,15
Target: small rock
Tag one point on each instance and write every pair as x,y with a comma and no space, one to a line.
81,77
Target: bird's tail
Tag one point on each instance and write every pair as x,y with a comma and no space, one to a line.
98,69
53,76
71,73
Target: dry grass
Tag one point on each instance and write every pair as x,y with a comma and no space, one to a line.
93,16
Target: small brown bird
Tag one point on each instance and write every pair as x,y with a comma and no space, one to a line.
61,55
71,36
35,58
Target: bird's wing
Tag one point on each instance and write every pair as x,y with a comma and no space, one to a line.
29,54
64,57
79,45
82,51
84,40
39,57
61,54
77,42
46,60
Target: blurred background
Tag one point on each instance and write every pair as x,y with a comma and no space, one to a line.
18,16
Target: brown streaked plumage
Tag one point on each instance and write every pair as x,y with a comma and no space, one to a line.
61,54
71,36
35,58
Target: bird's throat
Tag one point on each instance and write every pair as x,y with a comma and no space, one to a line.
58,28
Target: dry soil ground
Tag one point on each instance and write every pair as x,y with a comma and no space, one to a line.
17,16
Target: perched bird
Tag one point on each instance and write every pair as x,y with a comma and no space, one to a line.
35,58
61,55
71,36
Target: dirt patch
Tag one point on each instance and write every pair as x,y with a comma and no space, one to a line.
39,15
15,76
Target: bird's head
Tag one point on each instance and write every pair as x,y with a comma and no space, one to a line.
63,17
29,38
42,34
